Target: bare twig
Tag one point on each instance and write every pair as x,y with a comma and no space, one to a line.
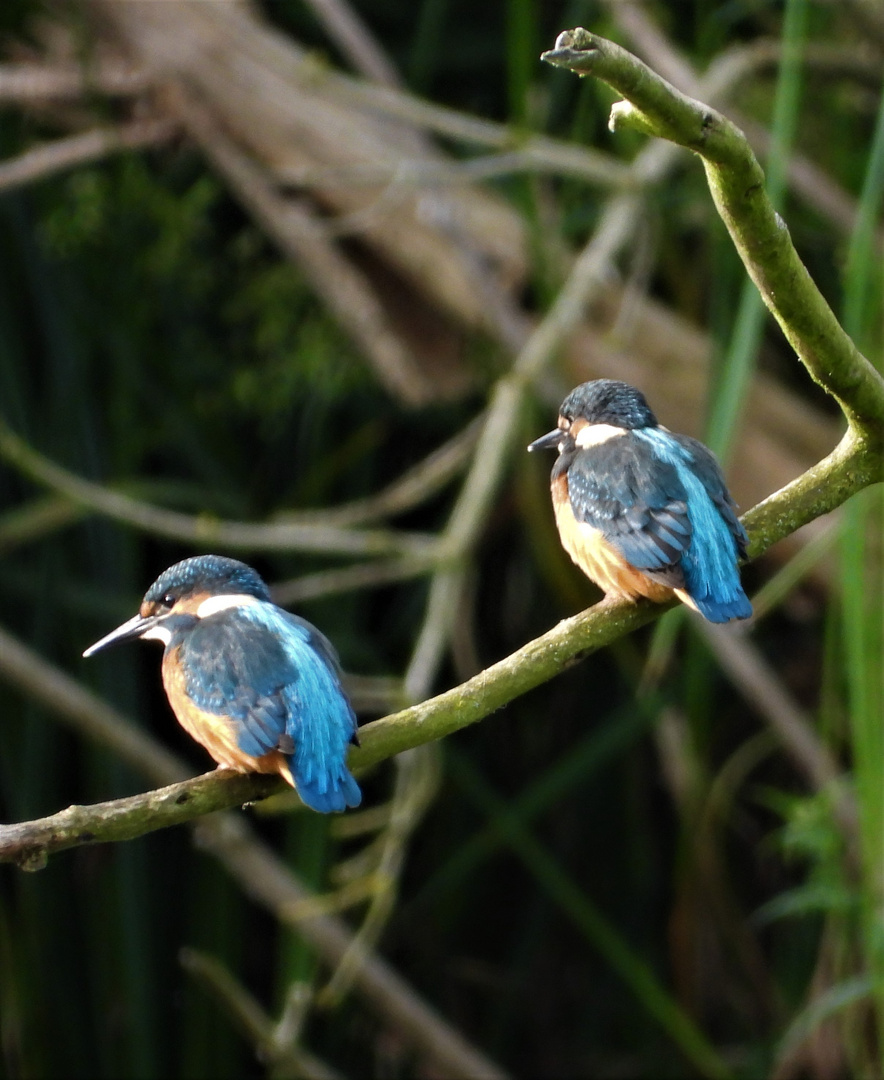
346,28
24,83
417,782
79,149
349,578
423,481
414,486
594,166
24,524
402,178
204,530
271,1043
746,667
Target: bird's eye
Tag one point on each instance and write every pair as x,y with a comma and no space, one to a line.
169,600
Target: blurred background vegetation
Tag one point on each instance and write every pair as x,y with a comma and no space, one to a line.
261,291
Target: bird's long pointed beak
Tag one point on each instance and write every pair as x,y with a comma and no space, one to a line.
132,628
549,441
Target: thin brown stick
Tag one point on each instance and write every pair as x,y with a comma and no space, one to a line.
411,488
349,578
743,663
345,27
270,1040
26,83
79,149
202,530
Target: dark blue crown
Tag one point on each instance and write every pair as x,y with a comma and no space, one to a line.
608,401
212,574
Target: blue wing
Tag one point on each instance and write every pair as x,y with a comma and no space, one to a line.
708,471
661,501
277,677
709,564
638,503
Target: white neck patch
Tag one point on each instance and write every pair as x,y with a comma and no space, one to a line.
158,633
593,434
213,604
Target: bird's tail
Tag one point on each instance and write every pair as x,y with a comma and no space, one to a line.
710,565
721,607
328,792
319,763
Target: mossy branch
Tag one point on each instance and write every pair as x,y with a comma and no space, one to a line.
30,843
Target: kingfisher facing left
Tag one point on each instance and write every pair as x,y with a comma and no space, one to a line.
258,687
642,511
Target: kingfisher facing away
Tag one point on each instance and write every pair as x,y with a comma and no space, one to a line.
258,687
644,512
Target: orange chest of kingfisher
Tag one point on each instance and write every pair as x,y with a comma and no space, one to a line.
258,687
643,511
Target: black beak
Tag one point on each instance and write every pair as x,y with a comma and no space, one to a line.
550,441
132,628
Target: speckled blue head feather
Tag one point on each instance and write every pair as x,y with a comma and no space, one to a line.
608,401
213,574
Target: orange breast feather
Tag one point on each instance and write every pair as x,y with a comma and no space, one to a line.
598,559
216,733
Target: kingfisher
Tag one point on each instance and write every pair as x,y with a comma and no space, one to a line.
258,687
643,511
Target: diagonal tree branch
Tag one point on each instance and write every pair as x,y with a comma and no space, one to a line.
27,83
